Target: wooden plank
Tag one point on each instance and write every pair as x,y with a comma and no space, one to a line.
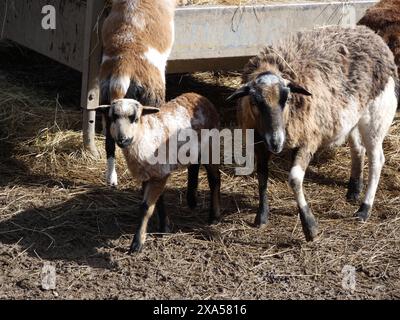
23,24
221,34
91,63
92,54
199,65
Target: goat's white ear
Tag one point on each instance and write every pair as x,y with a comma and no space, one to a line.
149,110
239,93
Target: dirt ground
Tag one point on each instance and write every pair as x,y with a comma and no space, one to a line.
54,208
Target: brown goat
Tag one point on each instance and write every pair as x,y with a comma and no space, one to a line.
353,80
144,133
138,36
384,18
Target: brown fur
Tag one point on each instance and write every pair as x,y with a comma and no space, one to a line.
384,18
131,28
333,64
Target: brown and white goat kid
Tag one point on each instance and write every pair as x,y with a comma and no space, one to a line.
144,132
138,36
353,79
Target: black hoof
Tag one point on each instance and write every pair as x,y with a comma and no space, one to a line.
191,201
355,187
164,229
352,197
309,224
364,212
212,221
136,247
260,221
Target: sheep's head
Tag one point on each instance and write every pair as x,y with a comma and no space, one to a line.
268,94
124,117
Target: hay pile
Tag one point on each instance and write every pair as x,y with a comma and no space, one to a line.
54,208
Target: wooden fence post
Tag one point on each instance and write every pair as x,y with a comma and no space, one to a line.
91,65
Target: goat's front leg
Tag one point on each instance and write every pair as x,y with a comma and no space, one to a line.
262,155
301,161
111,173
153,191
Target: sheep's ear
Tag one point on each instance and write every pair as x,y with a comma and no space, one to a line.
296,88
149,110
239,93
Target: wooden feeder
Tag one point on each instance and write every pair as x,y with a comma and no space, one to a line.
207,37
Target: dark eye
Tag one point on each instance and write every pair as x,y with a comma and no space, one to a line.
254,100
114,117
259,101
284,97
133,119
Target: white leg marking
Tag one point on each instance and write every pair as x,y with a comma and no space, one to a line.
111,174
376,160
121,83
357,154
296,177
373,128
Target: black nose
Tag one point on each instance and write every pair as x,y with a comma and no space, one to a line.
274,146
124,142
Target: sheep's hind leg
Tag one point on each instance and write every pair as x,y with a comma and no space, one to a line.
193,181
153,191
373,129
376,159
214,181
301,161
355,185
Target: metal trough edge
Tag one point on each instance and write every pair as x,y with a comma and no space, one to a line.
223,37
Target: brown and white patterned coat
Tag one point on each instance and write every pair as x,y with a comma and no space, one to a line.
142,132
317,89
138,36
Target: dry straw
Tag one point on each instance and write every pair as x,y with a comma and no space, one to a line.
54,206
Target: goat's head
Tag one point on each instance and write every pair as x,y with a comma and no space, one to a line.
268,94
124,116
